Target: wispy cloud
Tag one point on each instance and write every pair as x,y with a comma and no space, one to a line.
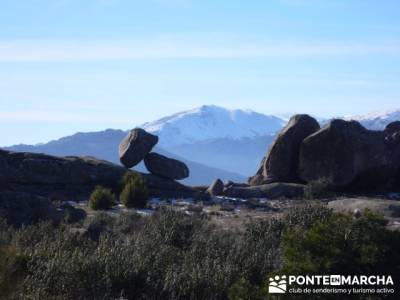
46,116
77,50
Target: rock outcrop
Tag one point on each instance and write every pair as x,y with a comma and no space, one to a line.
392,127
392,134
281,162
163,187
135,146
72,178
216,188
61,178
348,155
270,191
166,167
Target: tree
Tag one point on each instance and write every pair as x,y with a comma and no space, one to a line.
134,193
101,198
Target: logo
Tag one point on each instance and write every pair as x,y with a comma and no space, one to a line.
277,285
332,284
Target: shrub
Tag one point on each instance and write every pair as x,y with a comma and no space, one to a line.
134,193
304,216
343,244
101,198
319,189
172,255
12,269
243,290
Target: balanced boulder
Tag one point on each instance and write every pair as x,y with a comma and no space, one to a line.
163,166
281,162
135,146
348,155
216,188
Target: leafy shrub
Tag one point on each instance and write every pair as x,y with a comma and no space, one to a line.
343,244
101,198
243,290
134,193
12,269
319,189
103,223
304,216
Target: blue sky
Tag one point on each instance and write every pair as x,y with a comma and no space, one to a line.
73,65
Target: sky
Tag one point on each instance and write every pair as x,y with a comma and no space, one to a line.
71,66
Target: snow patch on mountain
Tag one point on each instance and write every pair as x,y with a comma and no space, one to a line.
377,120
212,122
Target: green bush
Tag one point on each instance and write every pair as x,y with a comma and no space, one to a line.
243,290
101,198
12,270
134,193
343,244
304,216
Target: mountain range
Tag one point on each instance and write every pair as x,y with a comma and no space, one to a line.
213,141
377,120
210,122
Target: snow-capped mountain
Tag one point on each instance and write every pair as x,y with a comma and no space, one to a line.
377,120
211,122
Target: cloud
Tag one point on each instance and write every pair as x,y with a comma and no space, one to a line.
173,48
43,116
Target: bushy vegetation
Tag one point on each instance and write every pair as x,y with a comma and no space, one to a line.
11,269
343,244
171,255
134,192
101,199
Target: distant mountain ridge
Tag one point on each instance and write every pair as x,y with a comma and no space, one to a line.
210,122
377,120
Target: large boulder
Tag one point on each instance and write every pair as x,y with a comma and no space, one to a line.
281,162
348,155
163,166
392,127
36,168
272,191
135,146
216,188
392,134
58,178
168,188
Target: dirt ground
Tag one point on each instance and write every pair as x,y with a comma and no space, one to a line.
228,215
